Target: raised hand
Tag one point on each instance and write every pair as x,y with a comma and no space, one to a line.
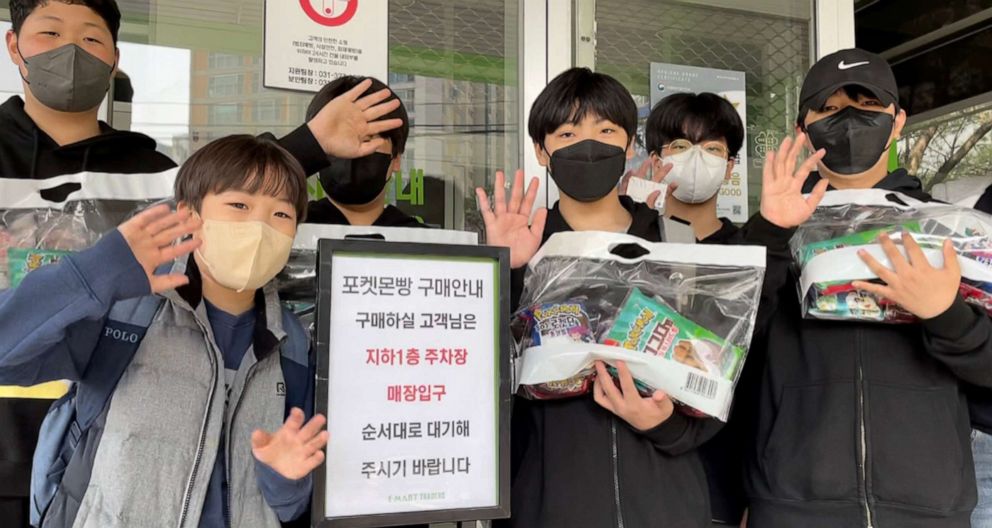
508,224
914,284
295,449
346,126
658,177
151,235
782,200
626,402
640,172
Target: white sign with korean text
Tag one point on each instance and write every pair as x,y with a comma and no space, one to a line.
309,43
412,384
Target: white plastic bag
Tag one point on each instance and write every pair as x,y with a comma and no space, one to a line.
680,316
825,250
43,220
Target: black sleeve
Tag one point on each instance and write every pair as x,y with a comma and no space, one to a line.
761,232
302,144
680,433
516,287
961,338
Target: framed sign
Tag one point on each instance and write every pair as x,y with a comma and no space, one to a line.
413,373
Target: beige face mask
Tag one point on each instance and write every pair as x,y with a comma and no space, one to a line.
243,255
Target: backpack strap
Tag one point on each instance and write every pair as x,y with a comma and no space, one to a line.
126,325
71,416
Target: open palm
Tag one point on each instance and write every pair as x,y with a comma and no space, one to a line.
782,199
349,125
295,449
508,224
152,234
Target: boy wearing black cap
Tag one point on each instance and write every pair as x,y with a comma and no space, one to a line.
861,424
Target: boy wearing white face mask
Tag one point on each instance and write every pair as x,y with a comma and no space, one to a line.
218,365
694,140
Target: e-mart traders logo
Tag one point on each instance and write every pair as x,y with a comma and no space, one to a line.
330,12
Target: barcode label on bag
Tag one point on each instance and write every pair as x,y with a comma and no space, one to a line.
701,385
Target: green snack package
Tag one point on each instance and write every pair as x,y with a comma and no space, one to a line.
861,238
649,325
21,261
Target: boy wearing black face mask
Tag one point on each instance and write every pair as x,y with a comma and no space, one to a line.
860,424
615,458
356,188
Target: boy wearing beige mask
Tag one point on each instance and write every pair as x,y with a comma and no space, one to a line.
187,396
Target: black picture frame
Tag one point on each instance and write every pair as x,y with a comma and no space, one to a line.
326,251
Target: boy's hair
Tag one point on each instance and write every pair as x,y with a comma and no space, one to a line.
575,93
107,9
851,90
243,163
697,117
341,85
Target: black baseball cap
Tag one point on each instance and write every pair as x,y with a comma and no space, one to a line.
845,68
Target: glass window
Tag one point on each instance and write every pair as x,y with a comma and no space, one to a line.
768,40
226,85
225,113
267,111
950,154
220,61
196,72
256,82
881,25
946,74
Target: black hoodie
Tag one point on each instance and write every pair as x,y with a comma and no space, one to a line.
576,464
28,152
860,424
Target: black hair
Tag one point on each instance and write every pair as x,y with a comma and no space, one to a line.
341,85
245,163
851,90
107,9
697,117
573,94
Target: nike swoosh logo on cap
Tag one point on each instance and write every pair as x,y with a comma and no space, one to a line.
843,66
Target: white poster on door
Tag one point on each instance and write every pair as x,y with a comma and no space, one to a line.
309,43
668,79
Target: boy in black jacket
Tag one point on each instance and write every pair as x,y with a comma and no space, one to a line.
861,424
356,188
615,458
693,140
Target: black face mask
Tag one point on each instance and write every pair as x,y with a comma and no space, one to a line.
587,170
357,181
853,138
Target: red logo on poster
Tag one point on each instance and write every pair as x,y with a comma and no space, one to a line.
328,12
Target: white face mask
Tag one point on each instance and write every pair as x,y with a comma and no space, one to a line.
243,255
697,173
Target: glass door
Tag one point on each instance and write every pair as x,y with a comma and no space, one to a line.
772,42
